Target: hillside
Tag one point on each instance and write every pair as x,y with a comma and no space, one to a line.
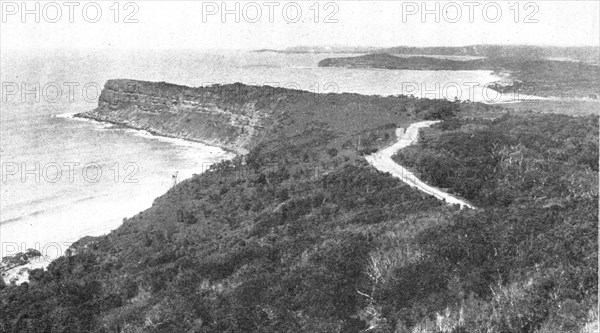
302,235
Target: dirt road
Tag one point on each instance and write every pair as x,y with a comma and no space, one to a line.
382,161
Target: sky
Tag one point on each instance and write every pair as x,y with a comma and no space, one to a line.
210,25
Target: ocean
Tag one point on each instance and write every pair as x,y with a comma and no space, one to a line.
65,178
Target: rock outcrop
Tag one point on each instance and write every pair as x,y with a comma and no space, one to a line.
232,117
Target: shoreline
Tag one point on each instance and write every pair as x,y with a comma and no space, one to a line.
98,227
84,116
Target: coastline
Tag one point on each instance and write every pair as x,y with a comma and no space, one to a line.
56,239
155,133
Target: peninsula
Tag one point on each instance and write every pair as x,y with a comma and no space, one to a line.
310,237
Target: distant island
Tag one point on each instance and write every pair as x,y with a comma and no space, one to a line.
587,54
388,61
544,77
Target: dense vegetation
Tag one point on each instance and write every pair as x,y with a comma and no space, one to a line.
533,249
553,158
302,235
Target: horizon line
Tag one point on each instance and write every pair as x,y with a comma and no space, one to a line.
287,48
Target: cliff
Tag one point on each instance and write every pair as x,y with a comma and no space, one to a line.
238,117
232,117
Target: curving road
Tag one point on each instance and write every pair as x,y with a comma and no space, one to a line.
382,161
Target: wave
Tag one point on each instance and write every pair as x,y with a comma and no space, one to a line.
48,209
71,116
67,115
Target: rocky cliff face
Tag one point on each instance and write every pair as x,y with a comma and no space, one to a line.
233,117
